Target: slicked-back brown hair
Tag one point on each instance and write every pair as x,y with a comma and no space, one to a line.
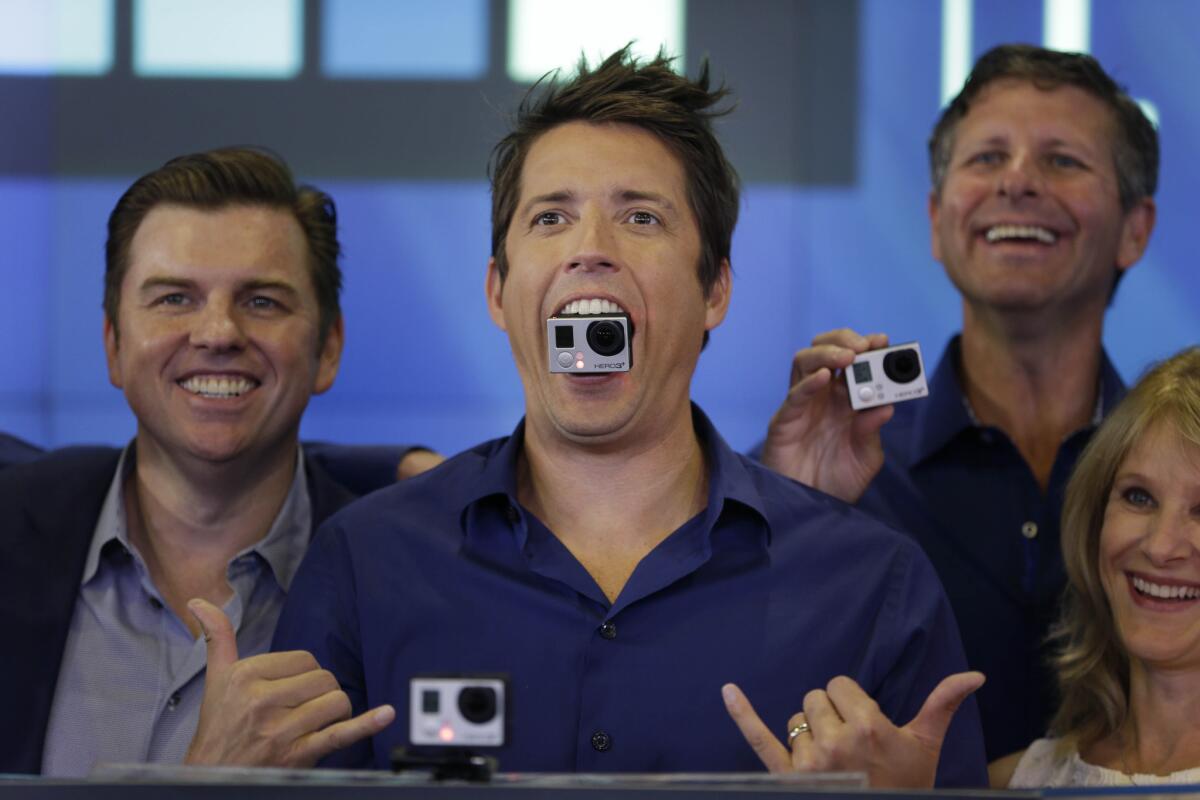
650,96
217,179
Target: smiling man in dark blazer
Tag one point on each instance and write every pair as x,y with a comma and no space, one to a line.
222,319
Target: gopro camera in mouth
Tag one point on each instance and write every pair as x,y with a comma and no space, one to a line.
590,343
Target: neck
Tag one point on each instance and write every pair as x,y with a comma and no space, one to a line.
1035,380
611,505
1161,736
188,520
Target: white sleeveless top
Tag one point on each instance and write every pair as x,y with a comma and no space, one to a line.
1040,766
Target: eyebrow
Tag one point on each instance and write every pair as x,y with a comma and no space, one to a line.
550,197
154,283
279,286
624,195
161,282
631,195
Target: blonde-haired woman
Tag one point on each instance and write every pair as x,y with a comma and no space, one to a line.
1129,661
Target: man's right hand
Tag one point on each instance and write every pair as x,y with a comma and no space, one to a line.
274,709
816,437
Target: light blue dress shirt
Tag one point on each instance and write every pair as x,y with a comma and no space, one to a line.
132,675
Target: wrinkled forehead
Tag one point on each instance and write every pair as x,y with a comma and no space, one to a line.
599,156
1013,106
236,238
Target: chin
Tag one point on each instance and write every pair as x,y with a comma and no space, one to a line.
595,425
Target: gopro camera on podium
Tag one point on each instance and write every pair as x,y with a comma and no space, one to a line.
448,716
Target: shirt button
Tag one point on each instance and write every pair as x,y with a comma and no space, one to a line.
601,741
608,630
1029,530
173,702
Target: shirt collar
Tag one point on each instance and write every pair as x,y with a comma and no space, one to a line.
111,524
947,413
495,473
284,545
282,548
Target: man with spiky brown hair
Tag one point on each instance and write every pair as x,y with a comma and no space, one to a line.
613,556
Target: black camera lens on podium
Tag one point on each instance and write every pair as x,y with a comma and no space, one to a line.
605,337
902,366
477,704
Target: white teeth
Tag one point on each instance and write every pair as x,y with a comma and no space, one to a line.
212,386
1166,592
999,232
592,305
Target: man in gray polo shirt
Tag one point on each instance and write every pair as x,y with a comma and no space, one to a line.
221,321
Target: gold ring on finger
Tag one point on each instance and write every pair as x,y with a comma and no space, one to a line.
803,727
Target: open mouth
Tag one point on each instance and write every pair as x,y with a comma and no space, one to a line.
590,305
1020,233
221,387
1178,593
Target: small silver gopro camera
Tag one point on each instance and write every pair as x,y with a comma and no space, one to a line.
457,710
889,375
590,343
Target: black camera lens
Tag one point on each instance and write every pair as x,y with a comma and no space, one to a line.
477,704
605,337
902,366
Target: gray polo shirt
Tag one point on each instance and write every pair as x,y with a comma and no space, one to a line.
132,676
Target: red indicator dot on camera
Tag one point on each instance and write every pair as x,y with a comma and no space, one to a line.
446,733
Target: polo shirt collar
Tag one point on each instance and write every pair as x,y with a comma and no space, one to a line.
729,480
946,412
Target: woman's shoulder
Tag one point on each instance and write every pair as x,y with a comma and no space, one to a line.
1001,770
1046,762
1056,762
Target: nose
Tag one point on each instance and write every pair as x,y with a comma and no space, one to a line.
217,327
1020,177
1170,536
595,246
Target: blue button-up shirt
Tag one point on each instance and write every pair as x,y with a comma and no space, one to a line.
966,494
773,586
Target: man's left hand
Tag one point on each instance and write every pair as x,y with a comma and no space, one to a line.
843,730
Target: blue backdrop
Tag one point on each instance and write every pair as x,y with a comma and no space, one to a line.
423,362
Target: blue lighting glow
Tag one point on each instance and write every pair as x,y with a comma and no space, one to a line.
404,39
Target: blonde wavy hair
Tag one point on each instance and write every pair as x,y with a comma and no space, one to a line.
1091,661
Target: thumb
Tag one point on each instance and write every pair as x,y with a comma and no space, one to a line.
933,719
218,634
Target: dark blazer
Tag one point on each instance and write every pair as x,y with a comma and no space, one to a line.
16,451
48,513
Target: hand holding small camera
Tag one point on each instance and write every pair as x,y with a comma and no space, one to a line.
815,437
273,709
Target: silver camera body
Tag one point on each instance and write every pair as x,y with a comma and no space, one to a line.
457,711
889,375
590,343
